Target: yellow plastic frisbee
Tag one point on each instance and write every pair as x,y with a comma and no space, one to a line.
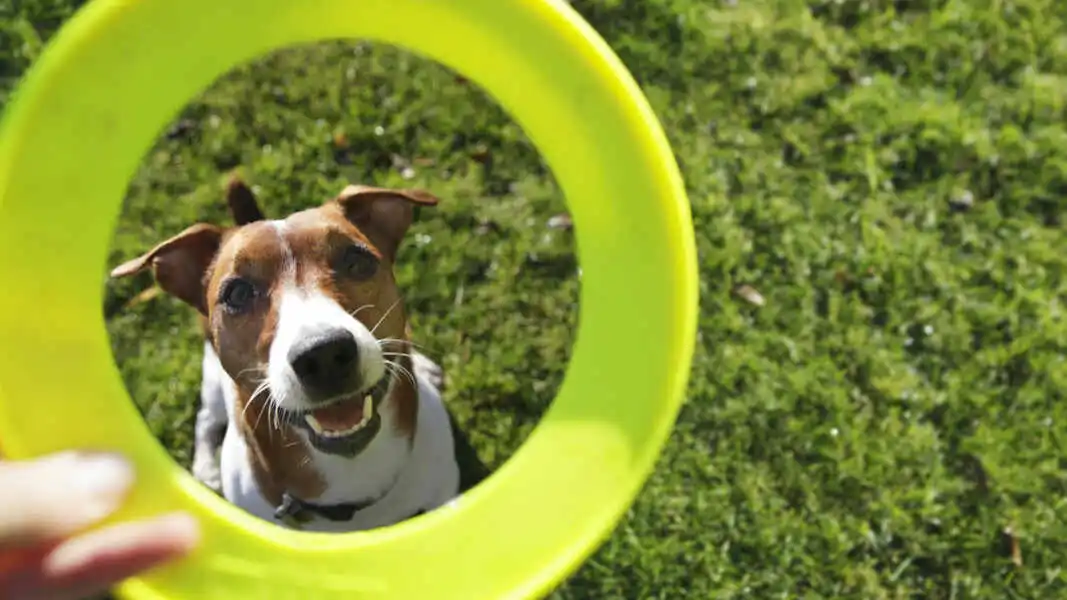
74,135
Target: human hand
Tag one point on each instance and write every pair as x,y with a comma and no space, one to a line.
46,505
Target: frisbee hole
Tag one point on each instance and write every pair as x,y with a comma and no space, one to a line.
489,277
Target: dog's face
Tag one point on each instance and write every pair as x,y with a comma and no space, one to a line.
304,313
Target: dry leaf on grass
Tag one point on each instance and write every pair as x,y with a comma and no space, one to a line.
750,294
1013,547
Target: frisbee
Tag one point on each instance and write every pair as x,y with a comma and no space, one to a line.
74,135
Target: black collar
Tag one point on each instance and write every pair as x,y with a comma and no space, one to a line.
296,511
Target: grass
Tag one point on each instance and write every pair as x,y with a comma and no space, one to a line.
886,419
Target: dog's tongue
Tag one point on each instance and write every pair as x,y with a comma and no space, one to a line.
342,415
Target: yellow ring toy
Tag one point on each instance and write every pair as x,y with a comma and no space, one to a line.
88,111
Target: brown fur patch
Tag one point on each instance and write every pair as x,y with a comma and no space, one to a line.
279,457
404,402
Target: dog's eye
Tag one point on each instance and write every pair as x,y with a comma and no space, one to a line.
358,263
237,295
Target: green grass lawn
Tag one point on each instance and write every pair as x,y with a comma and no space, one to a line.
878,414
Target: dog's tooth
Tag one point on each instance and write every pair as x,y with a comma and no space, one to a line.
368,413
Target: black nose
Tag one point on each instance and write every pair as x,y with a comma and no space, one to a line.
326,363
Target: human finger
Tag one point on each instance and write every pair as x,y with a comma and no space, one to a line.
94,562
52,497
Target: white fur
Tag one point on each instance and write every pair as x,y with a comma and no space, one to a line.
300,315
211,420
422,475
422,478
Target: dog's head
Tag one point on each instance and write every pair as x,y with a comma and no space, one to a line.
304,312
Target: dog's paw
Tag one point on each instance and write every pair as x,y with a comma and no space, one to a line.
206,471
427,369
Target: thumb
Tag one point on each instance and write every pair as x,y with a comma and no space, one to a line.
52,497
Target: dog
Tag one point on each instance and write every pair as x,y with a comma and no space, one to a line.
322,415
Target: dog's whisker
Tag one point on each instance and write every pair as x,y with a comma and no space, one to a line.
259,416
407,375
414,346
356,312
402,370
397,375
397,345
262,387
381,320
397,368
269,410
277,413
389,340
263,410
256,369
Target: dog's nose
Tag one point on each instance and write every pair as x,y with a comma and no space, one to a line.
326,363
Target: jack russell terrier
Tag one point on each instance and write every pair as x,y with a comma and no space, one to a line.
323,416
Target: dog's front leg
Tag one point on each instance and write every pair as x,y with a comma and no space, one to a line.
211,422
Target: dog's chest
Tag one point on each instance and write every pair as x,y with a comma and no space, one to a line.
407,476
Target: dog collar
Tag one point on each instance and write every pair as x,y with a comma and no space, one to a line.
295,511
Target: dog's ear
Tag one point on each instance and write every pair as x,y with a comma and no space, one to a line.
242,202
180,264
383,214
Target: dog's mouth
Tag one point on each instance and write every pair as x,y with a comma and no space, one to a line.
347,424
